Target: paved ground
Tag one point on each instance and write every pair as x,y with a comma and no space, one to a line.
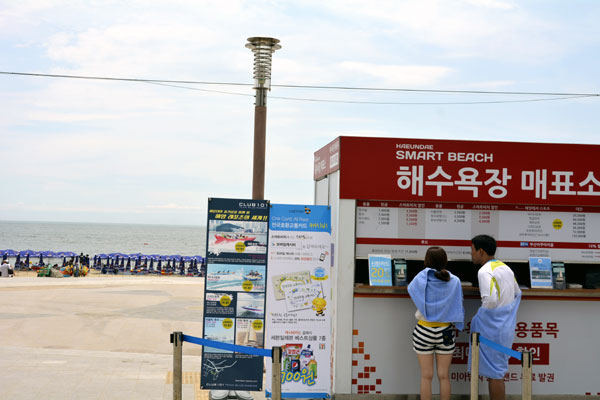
98,337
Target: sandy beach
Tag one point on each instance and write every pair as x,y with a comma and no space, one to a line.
98,337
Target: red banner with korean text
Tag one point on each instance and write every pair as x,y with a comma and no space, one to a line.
465,171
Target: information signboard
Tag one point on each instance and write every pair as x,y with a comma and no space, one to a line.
234,292
299,298
540,272
407,229
380,270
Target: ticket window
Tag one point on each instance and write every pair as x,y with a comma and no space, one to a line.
583,274
465,271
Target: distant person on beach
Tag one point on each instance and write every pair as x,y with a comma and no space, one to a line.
5,269
497,317
437,294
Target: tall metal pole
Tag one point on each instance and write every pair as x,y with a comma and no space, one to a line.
263,48
260,145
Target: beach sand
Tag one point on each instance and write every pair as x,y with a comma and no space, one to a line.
98,337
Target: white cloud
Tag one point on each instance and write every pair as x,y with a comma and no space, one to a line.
494,4
399,75
481,29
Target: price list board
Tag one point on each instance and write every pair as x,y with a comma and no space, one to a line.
407,229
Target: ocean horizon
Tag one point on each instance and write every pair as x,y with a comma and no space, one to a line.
95,238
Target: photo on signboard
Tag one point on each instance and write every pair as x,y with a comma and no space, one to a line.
218,330
301,297
283,282
247,237
236,277
249,332
251,305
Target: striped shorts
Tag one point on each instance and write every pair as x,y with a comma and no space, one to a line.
428,340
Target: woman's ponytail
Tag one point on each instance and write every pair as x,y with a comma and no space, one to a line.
442,275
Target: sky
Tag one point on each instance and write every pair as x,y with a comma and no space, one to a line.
132,152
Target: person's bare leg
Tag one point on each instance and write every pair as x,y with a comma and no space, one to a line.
426,364
443,362
496,388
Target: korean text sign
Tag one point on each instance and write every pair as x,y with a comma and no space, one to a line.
234,295
299,297
465,171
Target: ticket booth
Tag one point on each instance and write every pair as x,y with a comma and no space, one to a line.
400,196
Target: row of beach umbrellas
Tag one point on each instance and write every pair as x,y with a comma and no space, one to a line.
144,257
27,254
145,263
111,259
34,253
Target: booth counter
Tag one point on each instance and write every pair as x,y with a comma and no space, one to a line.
401,196
554,325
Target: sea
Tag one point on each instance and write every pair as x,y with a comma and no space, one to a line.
96,238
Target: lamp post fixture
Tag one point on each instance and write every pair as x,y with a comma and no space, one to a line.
263,49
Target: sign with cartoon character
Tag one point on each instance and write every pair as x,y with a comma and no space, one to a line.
298,292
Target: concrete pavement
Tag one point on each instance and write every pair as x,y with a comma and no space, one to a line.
98,337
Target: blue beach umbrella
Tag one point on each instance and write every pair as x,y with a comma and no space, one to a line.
159,268
9,253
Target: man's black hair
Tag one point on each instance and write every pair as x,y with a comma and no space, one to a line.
485,242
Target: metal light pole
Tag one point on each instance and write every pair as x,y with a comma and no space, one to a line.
263,49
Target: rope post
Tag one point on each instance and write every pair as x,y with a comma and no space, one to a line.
474,365
177,340
526,362
276,374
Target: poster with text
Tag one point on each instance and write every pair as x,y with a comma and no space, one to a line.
298,314
234,292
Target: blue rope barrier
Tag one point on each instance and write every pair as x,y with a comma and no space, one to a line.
226,346
500,348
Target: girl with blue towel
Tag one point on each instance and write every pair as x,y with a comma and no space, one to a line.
437,294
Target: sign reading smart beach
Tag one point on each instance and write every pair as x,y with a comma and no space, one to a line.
299,298
234,292
463,171
536,199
